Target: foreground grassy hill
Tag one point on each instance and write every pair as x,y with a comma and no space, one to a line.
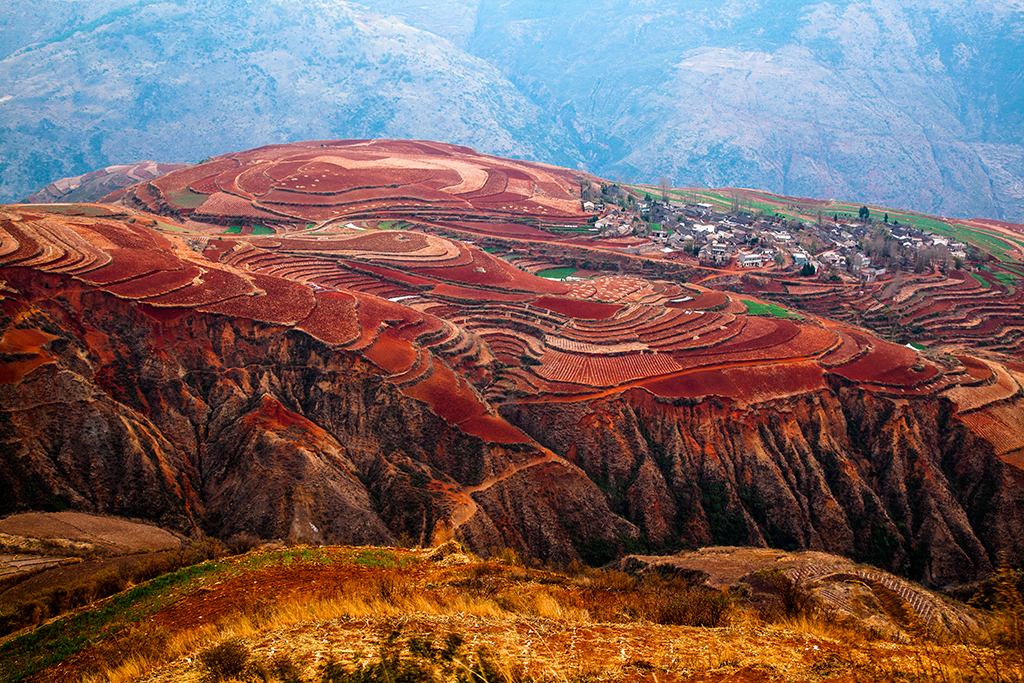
380,614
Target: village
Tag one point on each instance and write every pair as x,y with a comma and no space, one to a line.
862,249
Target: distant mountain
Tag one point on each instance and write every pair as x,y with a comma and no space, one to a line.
917,103
95,185
162,80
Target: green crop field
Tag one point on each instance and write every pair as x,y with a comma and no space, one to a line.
769,310
256,230
1010,279
187,199
557,273
394,225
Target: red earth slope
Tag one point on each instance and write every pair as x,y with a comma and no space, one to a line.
360,385
351,179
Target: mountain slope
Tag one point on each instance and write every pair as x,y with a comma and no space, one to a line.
301,332
914,103
95,185
161,80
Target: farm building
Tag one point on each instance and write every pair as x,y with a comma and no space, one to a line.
751,260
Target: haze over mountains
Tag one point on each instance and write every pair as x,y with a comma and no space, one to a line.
916,104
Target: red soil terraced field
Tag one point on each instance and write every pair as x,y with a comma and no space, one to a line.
465,332
753,384
291,185
966,310
164,273
424,311
575,308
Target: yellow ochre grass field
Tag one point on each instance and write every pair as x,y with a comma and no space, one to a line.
375,614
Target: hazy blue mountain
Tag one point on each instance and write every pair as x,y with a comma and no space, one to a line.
180,81
917,102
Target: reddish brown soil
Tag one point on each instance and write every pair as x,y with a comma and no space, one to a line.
176,337
573,308
342,180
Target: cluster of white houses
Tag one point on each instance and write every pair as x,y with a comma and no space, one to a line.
744,241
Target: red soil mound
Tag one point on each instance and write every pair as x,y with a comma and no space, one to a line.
477,267
353,179
334,319
889,365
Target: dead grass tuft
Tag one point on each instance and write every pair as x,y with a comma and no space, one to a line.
225,660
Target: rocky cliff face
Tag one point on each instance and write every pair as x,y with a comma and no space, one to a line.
201,421
900,484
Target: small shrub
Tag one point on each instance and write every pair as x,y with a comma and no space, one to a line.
243,542
1003,594
792,598
107,583
284,669
692,607
509,556
226,660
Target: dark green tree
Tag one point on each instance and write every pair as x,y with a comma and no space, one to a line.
865,214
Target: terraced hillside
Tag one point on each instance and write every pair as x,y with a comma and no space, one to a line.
97,184
346,180
354,382
956,310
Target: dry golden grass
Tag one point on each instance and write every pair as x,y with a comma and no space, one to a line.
299,611
519,625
